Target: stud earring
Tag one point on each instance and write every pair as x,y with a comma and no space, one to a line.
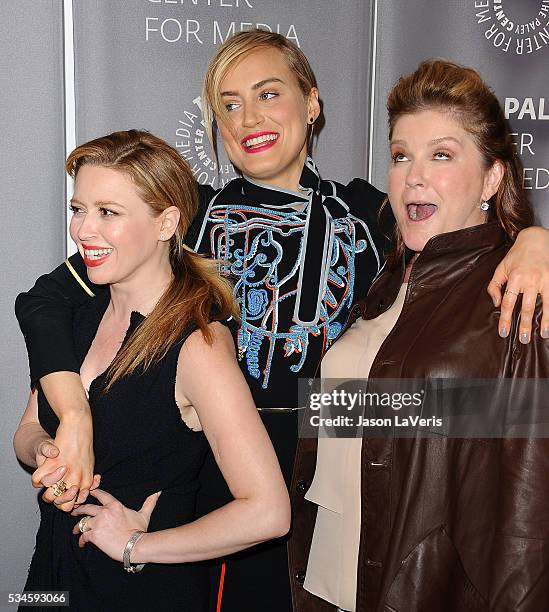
311,120
484,206
161,236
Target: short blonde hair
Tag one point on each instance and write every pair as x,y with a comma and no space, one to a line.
236,48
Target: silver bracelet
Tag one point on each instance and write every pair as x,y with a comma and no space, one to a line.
128,566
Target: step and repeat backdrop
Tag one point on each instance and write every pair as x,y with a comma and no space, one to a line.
140,63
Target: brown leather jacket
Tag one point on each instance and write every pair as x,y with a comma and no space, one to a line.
452,523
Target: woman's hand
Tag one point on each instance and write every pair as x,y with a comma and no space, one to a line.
524,270
111,525
74,437
58,474
73,446
66,458
46,449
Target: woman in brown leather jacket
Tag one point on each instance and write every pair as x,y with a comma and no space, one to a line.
446,522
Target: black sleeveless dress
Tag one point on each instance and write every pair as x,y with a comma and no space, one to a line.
141,446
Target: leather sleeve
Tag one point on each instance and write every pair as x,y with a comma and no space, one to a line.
45,315
520,573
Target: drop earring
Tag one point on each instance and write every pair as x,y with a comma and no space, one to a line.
484,206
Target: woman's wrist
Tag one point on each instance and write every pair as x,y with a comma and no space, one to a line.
137,555
66,395
77,416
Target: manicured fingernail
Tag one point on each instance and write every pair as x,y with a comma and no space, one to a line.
524,337
545,332
495,300
503,332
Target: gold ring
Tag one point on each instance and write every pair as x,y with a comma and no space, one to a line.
496,283
513,292
58,488
83,522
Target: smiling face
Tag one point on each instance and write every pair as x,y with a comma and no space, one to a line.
114,229
437,178
265,130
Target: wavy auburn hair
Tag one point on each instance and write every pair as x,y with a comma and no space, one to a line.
460,91
162,179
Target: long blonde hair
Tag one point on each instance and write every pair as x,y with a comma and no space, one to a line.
235,48
162,179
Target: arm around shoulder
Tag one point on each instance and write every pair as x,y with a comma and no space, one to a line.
372,206
205,193
524,270
45,317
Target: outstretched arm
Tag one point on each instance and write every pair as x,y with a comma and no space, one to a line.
45,316
524,270
212,382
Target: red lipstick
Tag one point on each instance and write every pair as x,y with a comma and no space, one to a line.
267,144
95,261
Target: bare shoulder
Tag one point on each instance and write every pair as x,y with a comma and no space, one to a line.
200,362
196,349
208,374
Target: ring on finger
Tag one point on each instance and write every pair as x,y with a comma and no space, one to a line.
82,523
513,292
496,283
58,488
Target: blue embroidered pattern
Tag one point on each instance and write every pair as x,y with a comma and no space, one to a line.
251,241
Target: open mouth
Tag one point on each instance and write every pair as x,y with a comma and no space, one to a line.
95,256
259,141
420,211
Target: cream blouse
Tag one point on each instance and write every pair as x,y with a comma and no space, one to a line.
332,567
